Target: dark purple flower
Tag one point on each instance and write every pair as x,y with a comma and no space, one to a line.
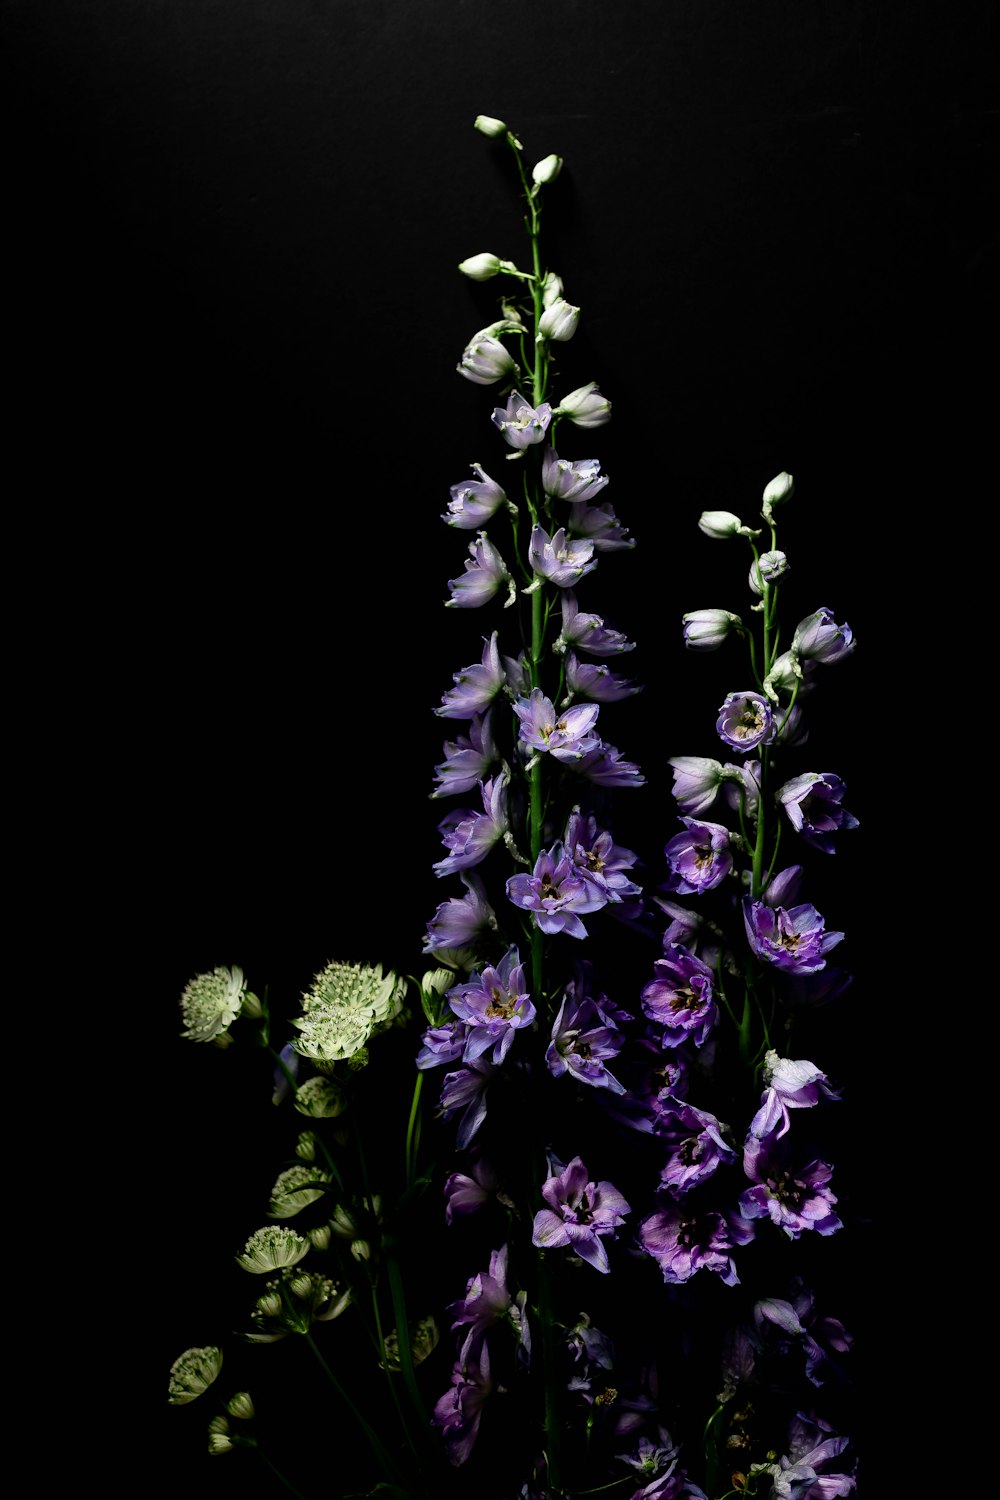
813,804
819,638
487,1299
475,686
583,1039
459,1411
807,1471
485,573
522,424
574,481
589,1346
468,759
580,1214
556,892
442,1044
493,1004
683,1243
559,558
681,998
470,835
567,736
465,1192
472,504
699,859
588,631
465,1091
745,721
461,920
781,1323
794,1200
794,939
697,1147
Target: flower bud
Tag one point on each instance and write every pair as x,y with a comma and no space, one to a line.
481,267
778,489
552,288
489,125
361,1250
767,569
241,1406
486,361
547,170
706,629
585,407
559,322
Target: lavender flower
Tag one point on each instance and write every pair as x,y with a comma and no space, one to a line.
819,638
580,1214
794,939
473,503
469,758
684,1242
588,631
796,1199
812,802
566,736
681,998
598,858
486,361
458,1413
596,681
522,424
558,558
556,893
706,629
697,1147
493,1004
699,859
584,1038
476,686
745,721
576,480
461,921
470,835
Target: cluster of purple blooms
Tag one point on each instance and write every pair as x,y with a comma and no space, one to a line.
659,1129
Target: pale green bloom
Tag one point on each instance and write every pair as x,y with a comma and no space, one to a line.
547,170
193,1372
241,1406
211,1003
319,1236
321,1098
219,1440
490,125
424,1337
271,1248
293,1303
295,1189
348,1003
305,1147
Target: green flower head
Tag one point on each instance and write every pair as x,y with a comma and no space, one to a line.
211,1003
271,1248
348,1004
295,1188
192,1373
320,1098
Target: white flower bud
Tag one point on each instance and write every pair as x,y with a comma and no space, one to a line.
767,569
489,125
778,489
480,267
719,524
559,322
547,170
585,407
552,288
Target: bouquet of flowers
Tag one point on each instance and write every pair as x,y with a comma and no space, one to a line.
547,1215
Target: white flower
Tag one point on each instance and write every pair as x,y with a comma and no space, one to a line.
271,1248
347,1004
295,1188
559,321
219,1440
193,1372
211,1003
490,125
547,170
320,1098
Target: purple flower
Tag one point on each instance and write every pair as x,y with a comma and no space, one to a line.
794,1200
475,686
819,638
473,503
588,631
493,1004
683,1243
696,782
598,858
596,681
577,481
604,766
459,1411
466,1192
487,1299
806,1472
485,572
567,736
600,524
697,1147
470,835
442,1044
468,758
745,721
461,920
558,558
792,938
681,998
522,425
777,1321
465,1090
556,892
812,802
580,1214
583,1039
699,859
789,1085
589,1345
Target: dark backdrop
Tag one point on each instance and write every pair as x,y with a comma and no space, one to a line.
234,230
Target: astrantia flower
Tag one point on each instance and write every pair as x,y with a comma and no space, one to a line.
485,573
794,939
585,406
683,1242
295,1189
320,1098
347,1005
681,998
580,1214
566,736
211,1002
293,1302
476,686
706,629
192,1373
220,1440
473,503
486,361
522,424
471,835
588,631
558,558
556,893
271,1248
813,804
577,480
819,638
698,859
745,721
493,1004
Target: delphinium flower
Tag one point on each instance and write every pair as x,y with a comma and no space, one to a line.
579,1214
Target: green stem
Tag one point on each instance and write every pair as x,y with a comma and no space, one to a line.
389,1468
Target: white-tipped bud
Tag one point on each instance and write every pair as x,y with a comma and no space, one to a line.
436,981
785,672
552,288
489,125
546,170
780,488
559,322
720,524
361,1250
481,267
766,570
585,407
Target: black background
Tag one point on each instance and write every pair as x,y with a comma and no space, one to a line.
233,232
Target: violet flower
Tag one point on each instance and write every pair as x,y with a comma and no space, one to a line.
470,835
494,1005
580,1214
559,558
463,1093
595,680
459,1411
684,1242
794,939
469,758
566,735
699,859
556,893
819,638
796,1200
588,631
475,686
812,802
584,1038
461,921
522,424
473,503
485,574
598,858
681,998
745,721
697,1145
574,481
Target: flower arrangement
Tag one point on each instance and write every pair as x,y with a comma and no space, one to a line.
558,1195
